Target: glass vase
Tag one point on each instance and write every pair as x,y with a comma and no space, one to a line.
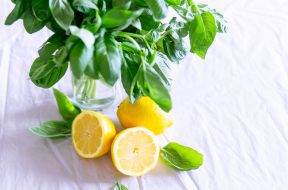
92,94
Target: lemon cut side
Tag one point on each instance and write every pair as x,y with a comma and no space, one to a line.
92,134
135,151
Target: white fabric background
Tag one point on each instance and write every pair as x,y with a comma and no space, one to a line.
232,107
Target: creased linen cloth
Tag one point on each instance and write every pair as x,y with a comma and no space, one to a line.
232,107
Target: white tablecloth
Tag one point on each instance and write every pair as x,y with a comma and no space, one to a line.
232,107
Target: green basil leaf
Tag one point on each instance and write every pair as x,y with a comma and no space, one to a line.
119,186
84,6
129,47
185,12
86,36
80,56
53,26
61,56
68,110
41,9
123,4
158,7
174,47
202,33
120,18
173,2
46,74
51,46
148,23
140,3
181,158
31,23
92,23
162,67
153,86
221,23
108,58
17,12
52,129
129,71
62,12
92,70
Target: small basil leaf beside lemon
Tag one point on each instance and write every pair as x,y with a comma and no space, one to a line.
119,186
52,129
181,158
66,108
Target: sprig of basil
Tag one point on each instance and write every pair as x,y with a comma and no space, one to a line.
119,186
202,33
58,129
52,129
181,158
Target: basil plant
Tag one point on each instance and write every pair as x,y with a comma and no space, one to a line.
113,39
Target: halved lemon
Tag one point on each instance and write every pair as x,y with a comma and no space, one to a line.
92,134
135,151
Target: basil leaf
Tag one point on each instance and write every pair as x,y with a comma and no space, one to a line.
173,2
162,67
92,70
53,26
66,108
158,8
85,35
92,23
174,47
41,9
17,12
129,71
79,58
148,23
50,47
52,129
120,18
123,4
185,12
62,12
119,186
108,58
181,158
84,6
31,23
221,23
61,56
153,86
46,74
202,33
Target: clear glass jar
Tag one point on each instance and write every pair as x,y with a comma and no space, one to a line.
91,94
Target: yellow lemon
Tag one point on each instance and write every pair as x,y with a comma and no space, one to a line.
92,134
144,112
135,151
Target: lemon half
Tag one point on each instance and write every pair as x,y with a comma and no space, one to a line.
135,151
92,134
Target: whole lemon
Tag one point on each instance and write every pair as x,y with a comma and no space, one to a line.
145,113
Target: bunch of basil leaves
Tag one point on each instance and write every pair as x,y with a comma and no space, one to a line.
112,39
